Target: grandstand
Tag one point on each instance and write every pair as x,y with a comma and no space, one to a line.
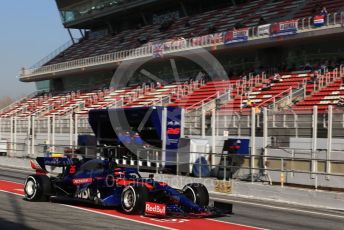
277,69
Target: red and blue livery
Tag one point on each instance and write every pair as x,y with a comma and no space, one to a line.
102,182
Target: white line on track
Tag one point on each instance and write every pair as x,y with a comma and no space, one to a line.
281,208
220,199
101,213
13,193
118,217
222,221
123,218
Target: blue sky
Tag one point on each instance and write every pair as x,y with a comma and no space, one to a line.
30,30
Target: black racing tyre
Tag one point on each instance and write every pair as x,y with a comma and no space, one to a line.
37,188
197,193
133,199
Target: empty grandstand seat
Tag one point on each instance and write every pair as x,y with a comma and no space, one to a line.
222,19
314,7
328,95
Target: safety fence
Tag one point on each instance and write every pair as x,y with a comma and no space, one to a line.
289,142
270,165
25,135
289,128
288,123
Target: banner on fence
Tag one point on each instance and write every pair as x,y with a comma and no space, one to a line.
215,38
264,30
235,36
177,43
197,41
158,50
319,20
284,28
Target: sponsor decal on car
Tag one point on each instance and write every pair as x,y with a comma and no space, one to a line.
56,161
173,131
72,169
155,209
82,181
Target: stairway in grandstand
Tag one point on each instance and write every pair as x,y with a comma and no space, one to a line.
263,97
203,94
203,98
25,106
111,99
323,97
158,96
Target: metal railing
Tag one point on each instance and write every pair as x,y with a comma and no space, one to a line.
160,101
301,140
299,94
15,103
116,104
148,50
210,102
272,100
54,53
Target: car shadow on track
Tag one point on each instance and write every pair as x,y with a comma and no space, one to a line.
8,225
78,203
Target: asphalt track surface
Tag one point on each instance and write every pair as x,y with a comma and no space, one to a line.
16,213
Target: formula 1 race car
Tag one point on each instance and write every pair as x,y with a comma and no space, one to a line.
101,182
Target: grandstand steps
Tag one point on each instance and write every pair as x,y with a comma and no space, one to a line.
155,96
262,97
329,95
205,93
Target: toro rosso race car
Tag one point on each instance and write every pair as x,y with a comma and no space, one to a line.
102,183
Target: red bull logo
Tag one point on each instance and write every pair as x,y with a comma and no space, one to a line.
155,209
173,131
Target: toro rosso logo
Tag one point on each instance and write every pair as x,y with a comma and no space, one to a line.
155,209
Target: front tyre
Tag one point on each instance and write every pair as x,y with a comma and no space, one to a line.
133,199
197,193
37,187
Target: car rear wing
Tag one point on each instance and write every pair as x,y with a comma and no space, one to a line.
40,163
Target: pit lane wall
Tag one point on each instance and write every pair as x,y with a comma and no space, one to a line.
295,164
230,188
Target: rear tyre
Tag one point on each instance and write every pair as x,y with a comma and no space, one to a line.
37,188
197,193
133,199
